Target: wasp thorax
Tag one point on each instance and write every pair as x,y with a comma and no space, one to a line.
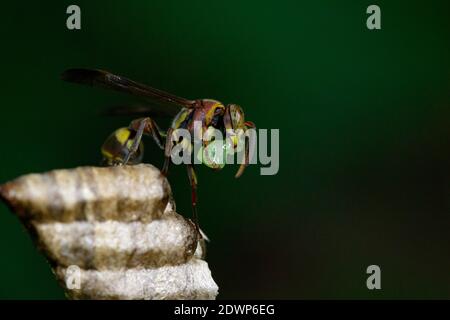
118,145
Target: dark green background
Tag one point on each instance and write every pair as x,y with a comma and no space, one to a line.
364,134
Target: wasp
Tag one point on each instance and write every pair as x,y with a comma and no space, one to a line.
124,146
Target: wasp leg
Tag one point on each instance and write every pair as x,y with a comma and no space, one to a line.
193,182
144,126
246,159
167,151
247,151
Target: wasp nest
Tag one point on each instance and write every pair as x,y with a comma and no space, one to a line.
111,233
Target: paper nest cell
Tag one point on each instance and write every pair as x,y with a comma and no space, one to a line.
112,233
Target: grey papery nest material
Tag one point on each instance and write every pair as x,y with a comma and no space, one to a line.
112,233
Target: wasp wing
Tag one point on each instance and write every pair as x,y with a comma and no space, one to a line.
140,110
100,78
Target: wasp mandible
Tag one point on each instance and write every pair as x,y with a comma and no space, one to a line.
124,146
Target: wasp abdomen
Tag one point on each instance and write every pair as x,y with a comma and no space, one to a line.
118,145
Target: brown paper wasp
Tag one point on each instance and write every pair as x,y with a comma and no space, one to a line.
124,146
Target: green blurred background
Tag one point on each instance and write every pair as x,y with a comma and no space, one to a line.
364,134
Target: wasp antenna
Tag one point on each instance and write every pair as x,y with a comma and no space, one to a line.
240,171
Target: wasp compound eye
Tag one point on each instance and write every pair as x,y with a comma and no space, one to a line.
237,116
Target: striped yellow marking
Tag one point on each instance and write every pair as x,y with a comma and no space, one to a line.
122,135
107,154
235,140
130,144
178,120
